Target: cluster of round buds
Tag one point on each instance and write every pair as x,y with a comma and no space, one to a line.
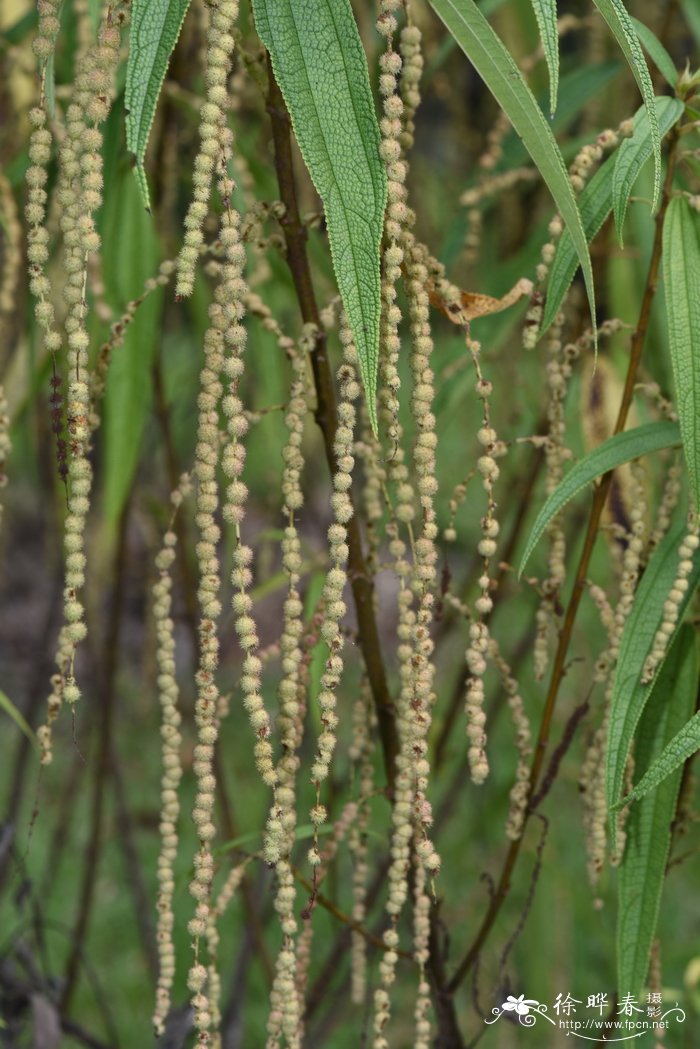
595,810
230,297
607,616
285,1015
207,701
396,214
533,317
494,143
336,577
387,23
411,73
592,778
11,262
558,371
283,814
674,600
495,184
360,754
79,195
673,486
37,254
44,42
631,564
423,575
663,404
477,651
523,742
421,953
285,1011
422,396
220,46
387,975
459,494
172,768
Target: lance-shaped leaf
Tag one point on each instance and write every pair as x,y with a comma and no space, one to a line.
648,827
681,268
598,197
321,68
657,52
631,444
630,693
684,744
155,28
636,150
615,14
546,15
129,379
492,61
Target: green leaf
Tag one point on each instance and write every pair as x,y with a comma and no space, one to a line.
636,150
648,828
631,444
684,744
496,67
129,380
321,68
630,694
20,721
681,268
615,14
657,52
155,28
546,15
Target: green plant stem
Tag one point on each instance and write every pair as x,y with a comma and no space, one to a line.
599,497
295,235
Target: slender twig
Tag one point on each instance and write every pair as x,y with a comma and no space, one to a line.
295,235
354,926
599,498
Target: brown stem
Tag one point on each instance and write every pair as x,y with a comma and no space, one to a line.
599,497
361,582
